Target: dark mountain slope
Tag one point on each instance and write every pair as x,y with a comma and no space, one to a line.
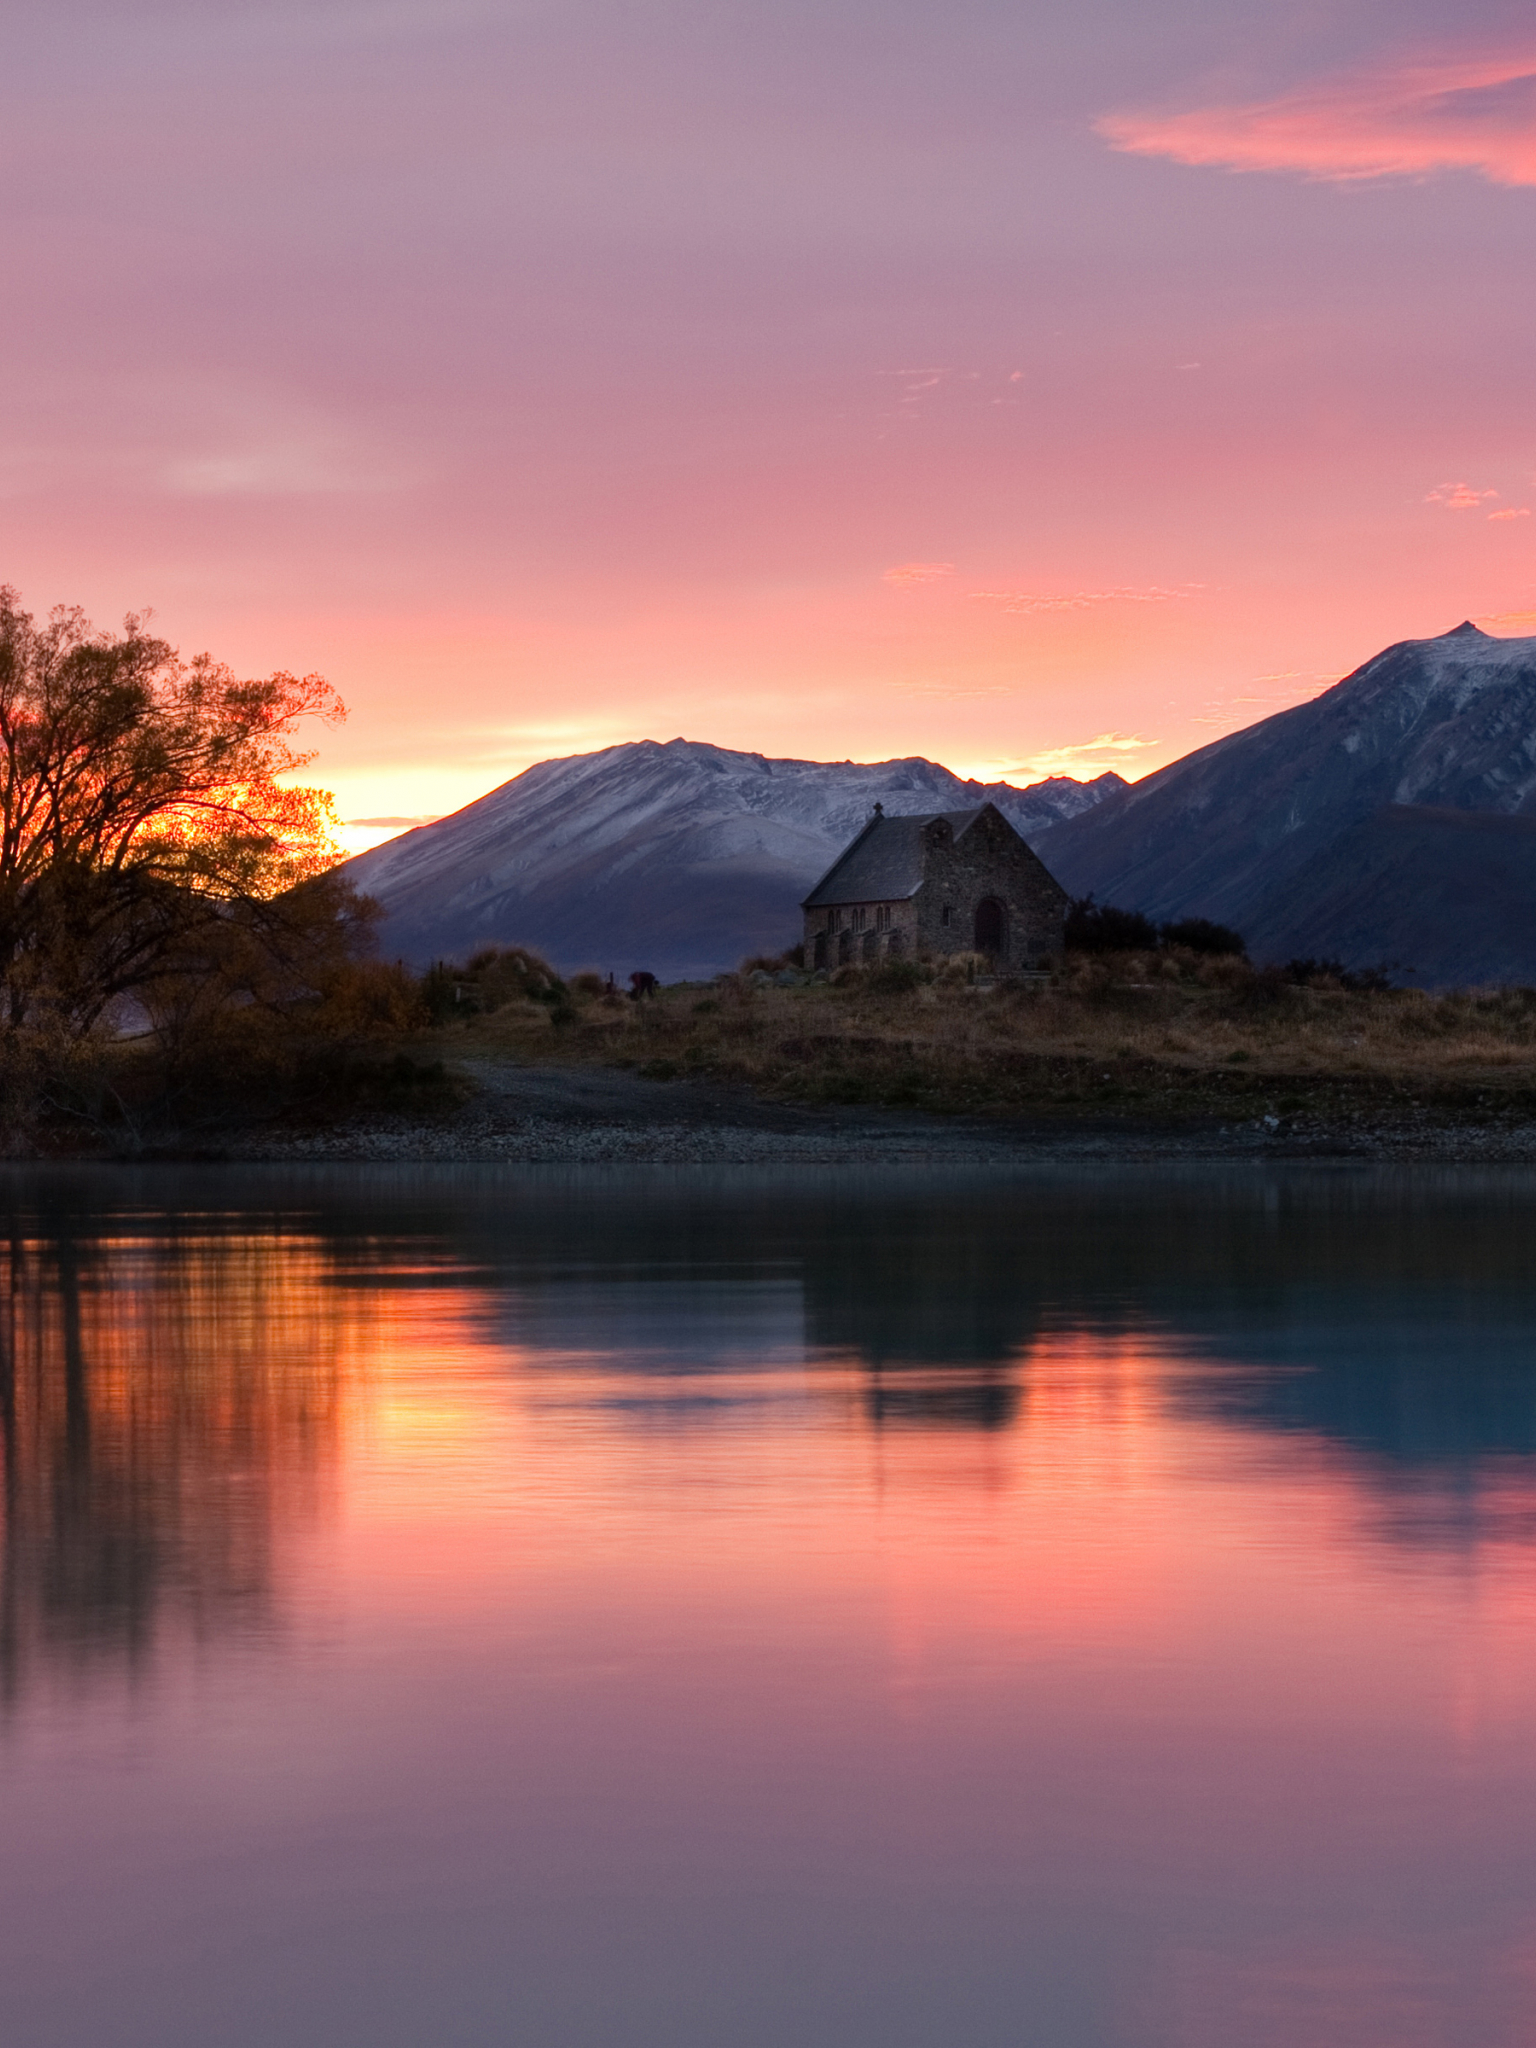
1248,829
1449,897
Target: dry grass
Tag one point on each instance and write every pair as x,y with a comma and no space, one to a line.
1168,1035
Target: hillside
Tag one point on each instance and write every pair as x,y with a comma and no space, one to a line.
1446,898
681,858
1290,830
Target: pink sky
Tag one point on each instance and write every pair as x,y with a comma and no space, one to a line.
1033,389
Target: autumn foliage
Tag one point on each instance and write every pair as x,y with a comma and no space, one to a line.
154,852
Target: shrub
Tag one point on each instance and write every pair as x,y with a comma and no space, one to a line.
774,963
964,966
1201,935
1329,973
363,999
493,977
896,977
1103,928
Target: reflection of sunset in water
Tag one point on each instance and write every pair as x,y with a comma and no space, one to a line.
172,1411
606,1621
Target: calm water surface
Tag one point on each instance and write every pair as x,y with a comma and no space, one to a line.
712,1609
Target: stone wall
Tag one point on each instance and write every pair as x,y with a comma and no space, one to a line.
855,933
990,862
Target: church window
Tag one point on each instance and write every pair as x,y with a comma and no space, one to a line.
945,914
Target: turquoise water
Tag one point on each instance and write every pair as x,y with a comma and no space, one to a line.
1082,1609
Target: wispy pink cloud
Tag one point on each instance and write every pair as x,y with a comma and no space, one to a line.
907,574
952,690
1457,497
1076,600
1394,120
1512,512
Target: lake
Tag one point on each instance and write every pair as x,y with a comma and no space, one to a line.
714,1608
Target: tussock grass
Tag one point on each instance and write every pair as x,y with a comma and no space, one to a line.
1165,1033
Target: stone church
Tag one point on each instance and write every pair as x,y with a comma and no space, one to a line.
949,882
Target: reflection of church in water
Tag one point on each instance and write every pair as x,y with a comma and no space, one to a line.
940,1322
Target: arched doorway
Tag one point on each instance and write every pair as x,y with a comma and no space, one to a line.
989,926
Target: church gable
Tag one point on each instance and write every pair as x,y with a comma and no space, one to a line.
945,882
886,862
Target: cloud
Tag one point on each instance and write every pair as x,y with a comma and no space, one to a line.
906,574
235,443
422,818
1457,497
940,688
1512,512
1404,120
1107,750
1301,689
916,384
1508,618
1077,600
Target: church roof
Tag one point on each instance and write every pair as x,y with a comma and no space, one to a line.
885,863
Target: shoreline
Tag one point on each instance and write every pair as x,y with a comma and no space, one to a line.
538,1115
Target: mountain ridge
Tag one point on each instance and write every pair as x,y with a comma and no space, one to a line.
1338,827
1235,829
675,855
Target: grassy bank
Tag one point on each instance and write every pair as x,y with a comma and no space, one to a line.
1164,1034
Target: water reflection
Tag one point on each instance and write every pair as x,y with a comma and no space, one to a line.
953,1398
170,1408
175,1375
1391,1314
840,1608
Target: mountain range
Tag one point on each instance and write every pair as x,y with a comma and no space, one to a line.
679,857
1391,820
